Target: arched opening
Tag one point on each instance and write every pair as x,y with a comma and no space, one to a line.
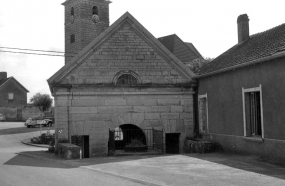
95,10
127,79
126,134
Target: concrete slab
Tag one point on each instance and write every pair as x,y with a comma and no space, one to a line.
187,169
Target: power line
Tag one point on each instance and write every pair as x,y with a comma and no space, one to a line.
36,50
35,53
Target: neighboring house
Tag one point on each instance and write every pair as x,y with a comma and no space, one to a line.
123,78
13,97
12,93
185,52
241,98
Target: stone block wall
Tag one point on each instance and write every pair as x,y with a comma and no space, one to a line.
125,51
83,27
94,113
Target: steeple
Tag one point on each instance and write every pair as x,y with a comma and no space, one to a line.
84,21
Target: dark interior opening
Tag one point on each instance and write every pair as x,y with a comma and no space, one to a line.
172,143
130,132
85,147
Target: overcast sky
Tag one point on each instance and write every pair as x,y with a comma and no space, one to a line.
209,24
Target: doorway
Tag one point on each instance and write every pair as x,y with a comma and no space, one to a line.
172,143
85,147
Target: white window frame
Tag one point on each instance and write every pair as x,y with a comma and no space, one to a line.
248,90
202,96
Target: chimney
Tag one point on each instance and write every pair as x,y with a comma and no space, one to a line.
243,28
3,75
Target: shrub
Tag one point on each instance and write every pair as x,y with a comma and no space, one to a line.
44,139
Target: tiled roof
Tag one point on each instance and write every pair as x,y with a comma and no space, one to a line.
2,81
193,48
184,51
259,45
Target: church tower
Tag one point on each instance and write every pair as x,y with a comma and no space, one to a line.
84,21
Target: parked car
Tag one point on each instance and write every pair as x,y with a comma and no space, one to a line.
2,117
33,122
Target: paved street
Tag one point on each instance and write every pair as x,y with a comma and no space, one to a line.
26,171
37,167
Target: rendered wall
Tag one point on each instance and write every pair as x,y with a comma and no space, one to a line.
224,94
20,95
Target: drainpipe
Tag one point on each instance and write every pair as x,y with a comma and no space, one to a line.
68,123
195,111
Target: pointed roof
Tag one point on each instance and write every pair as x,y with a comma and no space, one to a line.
259,47
7,80
170,42
193,48
98,41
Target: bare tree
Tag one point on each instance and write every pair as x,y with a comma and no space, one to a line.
42,101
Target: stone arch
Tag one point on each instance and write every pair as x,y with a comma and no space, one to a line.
133,132
123,118
133,76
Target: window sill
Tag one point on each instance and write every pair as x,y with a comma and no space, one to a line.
254,139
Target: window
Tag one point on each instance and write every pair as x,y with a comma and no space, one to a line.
127,79
10,96
253,112
118,134
72,38
203,113
72,11
95,10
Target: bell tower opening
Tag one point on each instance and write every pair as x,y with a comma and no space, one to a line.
85,19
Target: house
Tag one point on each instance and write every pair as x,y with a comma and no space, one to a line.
241,98
13,96
122,79
184,51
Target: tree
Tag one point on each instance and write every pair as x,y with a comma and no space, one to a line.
42,101
196,64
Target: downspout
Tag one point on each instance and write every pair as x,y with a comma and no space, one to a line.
195,110
68,120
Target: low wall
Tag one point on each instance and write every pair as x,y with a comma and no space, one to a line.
68,151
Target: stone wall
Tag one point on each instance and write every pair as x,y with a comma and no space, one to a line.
125,51
30,111
93,114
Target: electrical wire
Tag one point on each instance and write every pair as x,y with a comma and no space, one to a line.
35,53
37,50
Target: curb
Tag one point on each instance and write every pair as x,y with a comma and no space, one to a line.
94,170
27,142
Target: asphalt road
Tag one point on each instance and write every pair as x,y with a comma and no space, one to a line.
26,171
213,169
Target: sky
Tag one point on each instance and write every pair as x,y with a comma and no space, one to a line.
209,24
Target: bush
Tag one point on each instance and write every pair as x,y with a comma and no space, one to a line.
44,139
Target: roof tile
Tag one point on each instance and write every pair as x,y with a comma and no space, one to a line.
259,45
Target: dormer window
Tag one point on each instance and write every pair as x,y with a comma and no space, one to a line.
95,10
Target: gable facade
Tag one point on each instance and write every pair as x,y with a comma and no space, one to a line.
12,93
241,102
91,100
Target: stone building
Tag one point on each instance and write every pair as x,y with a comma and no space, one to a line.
121,77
